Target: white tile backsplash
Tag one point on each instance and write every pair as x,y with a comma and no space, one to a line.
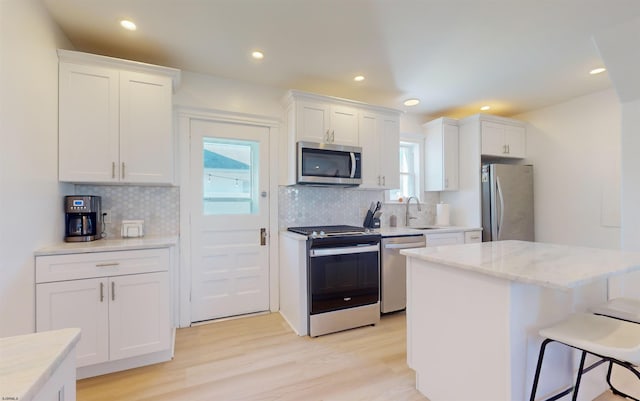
159,207
311,206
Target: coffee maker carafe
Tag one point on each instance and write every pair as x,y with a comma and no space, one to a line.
83,218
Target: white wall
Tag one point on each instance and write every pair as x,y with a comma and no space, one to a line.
220,94
31,198
575,149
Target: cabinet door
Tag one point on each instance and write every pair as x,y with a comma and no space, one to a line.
312,121
139,315
146,139
88,123
441,157
515,141
450,159
77,303
344,125
493,139
369,130
389,156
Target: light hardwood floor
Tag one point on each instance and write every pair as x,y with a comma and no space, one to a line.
259,358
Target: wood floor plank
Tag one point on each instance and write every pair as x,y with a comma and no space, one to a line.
259,358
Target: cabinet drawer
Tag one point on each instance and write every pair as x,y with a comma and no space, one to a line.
445,239
100,264
471,237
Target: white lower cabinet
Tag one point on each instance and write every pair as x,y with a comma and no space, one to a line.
120,301
472,237
445,238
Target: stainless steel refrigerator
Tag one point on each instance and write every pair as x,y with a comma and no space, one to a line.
507,202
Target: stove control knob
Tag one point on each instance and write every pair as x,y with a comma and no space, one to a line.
322,233
314,234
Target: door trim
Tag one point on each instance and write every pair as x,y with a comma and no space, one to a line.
182,291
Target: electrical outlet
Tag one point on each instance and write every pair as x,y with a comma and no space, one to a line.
107,217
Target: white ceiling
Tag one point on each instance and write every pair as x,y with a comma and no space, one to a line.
455,55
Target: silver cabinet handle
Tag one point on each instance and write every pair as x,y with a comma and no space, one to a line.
446,183
123,170
113,290
113,169
333,136
327,137
107,264
384,180
379,181
508,149
101,292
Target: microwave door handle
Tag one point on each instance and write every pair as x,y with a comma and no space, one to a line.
353,165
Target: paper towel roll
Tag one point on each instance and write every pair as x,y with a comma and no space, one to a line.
442,214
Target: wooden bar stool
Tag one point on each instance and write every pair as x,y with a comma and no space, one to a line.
620,308
612,340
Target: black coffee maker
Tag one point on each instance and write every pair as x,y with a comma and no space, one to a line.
83,218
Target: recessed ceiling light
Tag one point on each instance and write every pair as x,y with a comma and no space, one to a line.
411,102
485,108
358,78
258,55
597,71
129,25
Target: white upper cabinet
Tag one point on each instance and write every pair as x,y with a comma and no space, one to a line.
441,155
115,120
323,122
380,142
322,119
502,140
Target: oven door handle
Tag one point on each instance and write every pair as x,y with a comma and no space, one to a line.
314,253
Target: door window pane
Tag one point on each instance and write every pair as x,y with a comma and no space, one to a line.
230,176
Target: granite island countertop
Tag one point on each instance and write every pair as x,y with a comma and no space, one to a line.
549,265
28,361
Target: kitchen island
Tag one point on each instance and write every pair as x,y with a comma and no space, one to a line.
39,366
474,312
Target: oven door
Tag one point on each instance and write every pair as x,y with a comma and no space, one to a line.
343,277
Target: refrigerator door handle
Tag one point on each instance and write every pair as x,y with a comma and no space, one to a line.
501,203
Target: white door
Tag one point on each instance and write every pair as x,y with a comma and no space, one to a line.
229,217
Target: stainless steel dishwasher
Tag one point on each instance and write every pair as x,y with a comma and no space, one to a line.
393,272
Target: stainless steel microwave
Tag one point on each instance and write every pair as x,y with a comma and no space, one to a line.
328,164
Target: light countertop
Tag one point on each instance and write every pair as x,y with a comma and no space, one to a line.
398,231
28,361
107,245
548,265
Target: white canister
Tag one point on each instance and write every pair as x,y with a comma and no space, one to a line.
442,214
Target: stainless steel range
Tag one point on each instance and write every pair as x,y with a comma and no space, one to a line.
343,270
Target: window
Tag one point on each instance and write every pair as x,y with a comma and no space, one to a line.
409,172
230,176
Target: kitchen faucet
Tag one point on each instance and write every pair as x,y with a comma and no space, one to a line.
408,217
